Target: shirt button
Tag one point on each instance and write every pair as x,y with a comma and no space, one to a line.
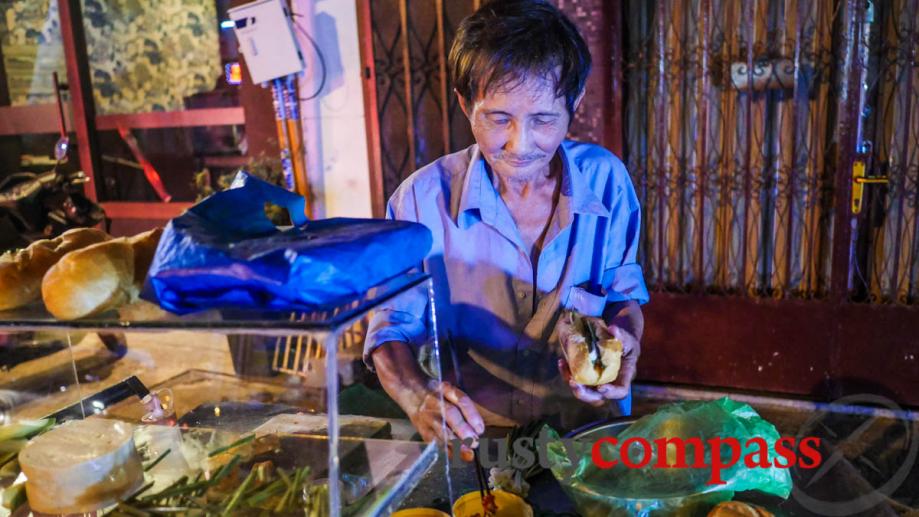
521,294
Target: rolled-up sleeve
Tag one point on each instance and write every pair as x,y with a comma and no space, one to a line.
622,277
402,318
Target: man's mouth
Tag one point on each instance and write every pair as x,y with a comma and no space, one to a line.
519,163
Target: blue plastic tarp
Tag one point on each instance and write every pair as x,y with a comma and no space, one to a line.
225,253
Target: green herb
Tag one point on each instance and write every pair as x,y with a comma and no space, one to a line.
157,460
239,492
285,478
242,441
224,470
261,485
130,510
25,429
270,490
8,457
142,490
14,496
13,445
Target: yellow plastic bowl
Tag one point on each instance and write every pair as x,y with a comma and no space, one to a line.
509,505
419,512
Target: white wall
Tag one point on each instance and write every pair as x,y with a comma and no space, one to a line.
333,123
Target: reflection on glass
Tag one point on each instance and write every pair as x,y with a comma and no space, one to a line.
160,405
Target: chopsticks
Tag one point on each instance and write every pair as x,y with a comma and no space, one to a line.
481,476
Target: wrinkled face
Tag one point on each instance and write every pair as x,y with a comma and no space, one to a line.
519,127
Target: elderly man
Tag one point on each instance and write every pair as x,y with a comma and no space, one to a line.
526,225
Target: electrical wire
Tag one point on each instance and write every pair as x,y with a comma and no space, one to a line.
319,55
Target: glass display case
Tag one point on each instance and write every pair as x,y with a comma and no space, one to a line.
230,410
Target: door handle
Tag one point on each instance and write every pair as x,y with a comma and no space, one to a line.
859,180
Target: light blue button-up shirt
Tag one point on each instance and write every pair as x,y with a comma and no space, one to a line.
497,315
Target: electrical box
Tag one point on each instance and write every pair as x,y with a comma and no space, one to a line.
267,40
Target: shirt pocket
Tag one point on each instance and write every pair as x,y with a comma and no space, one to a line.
584,302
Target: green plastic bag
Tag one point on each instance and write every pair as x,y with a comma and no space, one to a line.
684,491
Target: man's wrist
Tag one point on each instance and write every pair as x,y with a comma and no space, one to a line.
400,375
626,316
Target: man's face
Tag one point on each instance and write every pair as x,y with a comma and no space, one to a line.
519,127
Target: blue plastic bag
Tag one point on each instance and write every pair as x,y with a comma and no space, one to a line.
224,252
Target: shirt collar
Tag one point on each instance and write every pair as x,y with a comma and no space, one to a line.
479,197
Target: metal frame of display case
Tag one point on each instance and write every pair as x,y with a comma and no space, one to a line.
325,326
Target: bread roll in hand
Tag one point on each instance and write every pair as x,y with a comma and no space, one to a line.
100,277
590,368
21,271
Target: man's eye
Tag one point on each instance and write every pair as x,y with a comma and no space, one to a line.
500,121
543,121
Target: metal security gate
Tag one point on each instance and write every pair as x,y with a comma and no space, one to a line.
774,147
743,121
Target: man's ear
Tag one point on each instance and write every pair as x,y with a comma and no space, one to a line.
462,103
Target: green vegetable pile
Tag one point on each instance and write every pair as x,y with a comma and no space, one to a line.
240,485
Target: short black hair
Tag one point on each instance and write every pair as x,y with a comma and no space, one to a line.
509,40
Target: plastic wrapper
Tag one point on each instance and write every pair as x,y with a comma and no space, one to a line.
225,253
622,490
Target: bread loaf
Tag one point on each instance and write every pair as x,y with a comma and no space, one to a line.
100,277
144,245
587,368
21,272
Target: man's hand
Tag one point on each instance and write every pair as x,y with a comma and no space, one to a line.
625,322
462,418
618,389
420,398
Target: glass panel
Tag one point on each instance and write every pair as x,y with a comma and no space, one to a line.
375,473
274,388
39,366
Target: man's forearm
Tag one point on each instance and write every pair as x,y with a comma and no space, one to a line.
627,316
400,374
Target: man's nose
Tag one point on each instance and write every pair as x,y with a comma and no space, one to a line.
520,141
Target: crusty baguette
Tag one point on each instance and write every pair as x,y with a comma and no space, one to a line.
21,272
144,245
585,369
99,278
